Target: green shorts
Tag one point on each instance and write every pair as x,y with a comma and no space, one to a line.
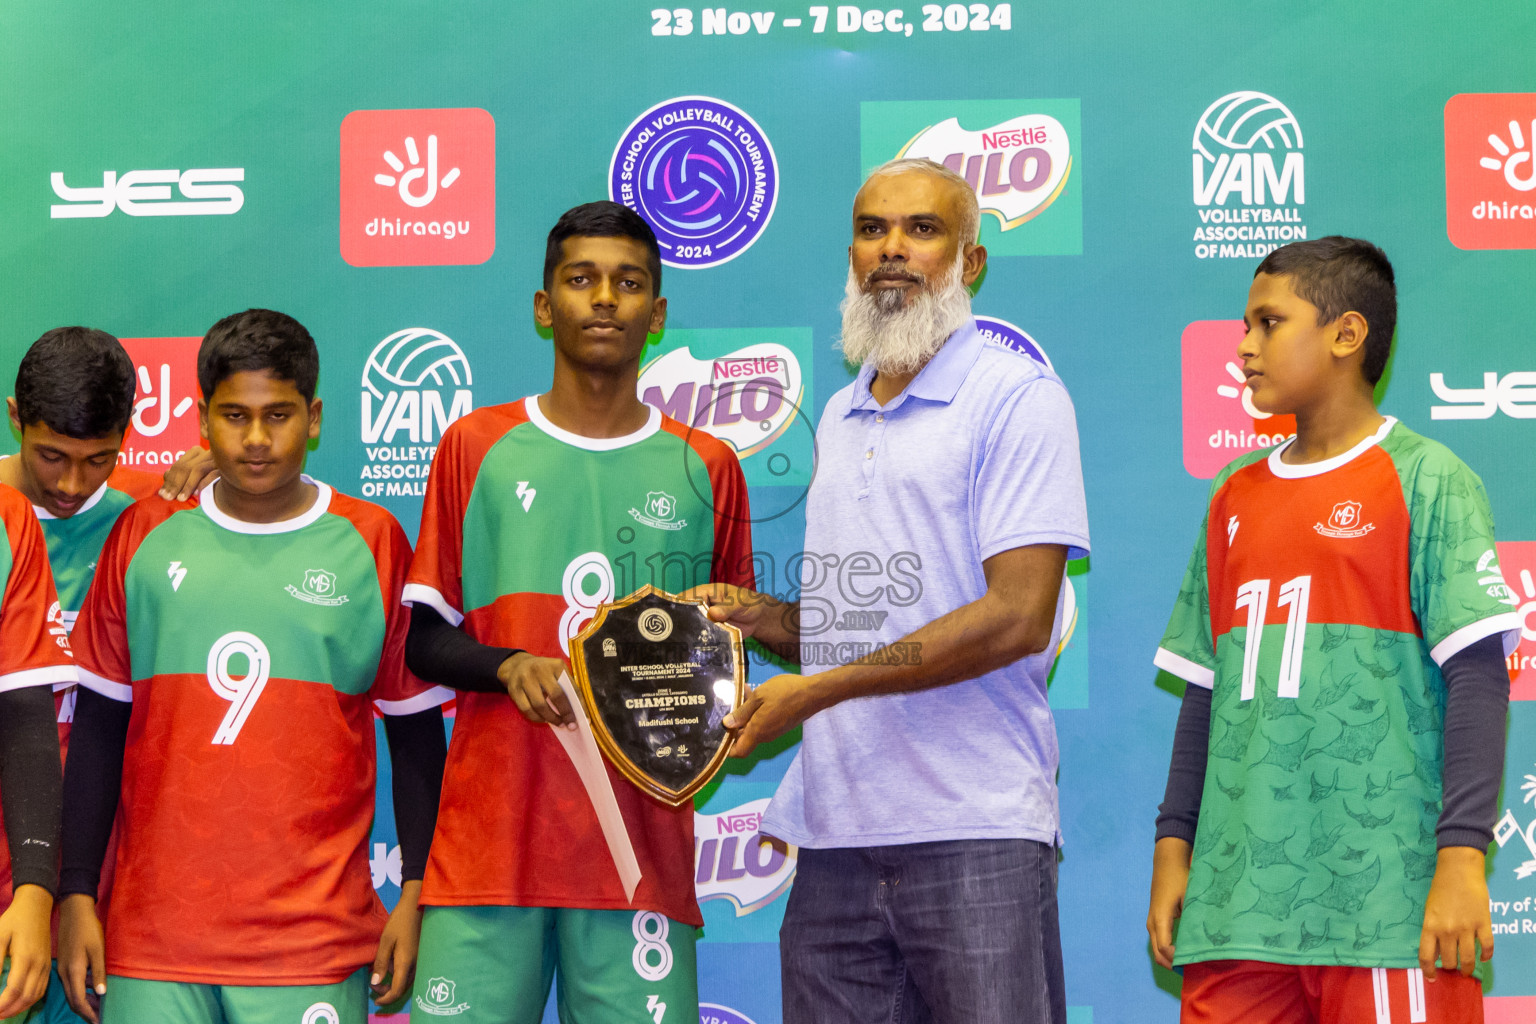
53,1008
495,964
136,1001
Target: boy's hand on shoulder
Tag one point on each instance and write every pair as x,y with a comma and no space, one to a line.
1456,914
394,965
533,683
1170,878
82,955
194,469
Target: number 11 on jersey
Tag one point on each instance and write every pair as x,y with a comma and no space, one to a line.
1254,596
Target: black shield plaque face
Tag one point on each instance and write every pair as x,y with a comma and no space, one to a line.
657,679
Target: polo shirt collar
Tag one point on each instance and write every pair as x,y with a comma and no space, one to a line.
938,381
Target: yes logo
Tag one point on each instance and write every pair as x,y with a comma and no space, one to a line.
1513,394
203,191
1490,170
164,423
1220,420
418,187
1021,156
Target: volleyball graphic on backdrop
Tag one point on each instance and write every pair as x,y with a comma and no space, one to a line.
415,357
1243,120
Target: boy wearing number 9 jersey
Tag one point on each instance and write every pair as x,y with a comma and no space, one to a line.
233,651
1341,632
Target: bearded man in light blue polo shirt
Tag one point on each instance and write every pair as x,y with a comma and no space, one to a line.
947,499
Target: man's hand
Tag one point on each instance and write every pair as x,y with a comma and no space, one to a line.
24,940
1456,914
395,961
194,469
82,955
1170,877
759,616
534,685
770,711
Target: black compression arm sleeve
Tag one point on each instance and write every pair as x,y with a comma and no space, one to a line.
93,779
31,787
1180,810
1476,711
446,655
417,750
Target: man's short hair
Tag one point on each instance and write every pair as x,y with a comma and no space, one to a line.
1337,275
77,381
970,222
258,339
602,219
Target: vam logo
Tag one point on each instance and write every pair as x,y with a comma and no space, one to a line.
415,383
1490,170
702,174
418,187
1513,394
204,191
1249,177
1220,420
164,423
734,861
1020,156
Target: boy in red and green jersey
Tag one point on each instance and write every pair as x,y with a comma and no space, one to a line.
71,409
34,659
1341,631
536,513
251,635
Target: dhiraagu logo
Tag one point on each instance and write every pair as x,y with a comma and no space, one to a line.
746,387
1022,157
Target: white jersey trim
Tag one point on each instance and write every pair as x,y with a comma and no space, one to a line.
1306,469
51,676
435,697
322,504
1185,669
1508,623
106,687
90,503
592,444
419,593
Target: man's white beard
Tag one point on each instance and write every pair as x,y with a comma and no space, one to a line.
900,339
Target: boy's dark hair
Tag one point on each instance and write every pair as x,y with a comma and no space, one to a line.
78,381
602,219
258,339
1337,275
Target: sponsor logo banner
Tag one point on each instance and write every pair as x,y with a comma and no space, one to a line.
1250,181
199,191
702,174
735,862
1513,394
1490,170
164,423
745,386
1021,156
418,187
1220,422
1517,559
714,1013
415,382
1013,338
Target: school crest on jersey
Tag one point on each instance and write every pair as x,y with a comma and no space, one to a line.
660,508
1346,520
318,587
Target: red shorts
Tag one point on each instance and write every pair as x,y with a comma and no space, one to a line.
1254,992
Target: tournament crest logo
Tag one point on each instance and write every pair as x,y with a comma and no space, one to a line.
319,587
702,174
1344,522
660,507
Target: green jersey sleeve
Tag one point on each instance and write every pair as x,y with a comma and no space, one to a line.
1188,649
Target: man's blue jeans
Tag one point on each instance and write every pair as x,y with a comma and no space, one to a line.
961,932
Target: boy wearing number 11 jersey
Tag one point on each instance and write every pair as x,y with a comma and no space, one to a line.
1341,632
232,654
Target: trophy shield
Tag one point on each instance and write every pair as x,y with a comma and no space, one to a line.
657,679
